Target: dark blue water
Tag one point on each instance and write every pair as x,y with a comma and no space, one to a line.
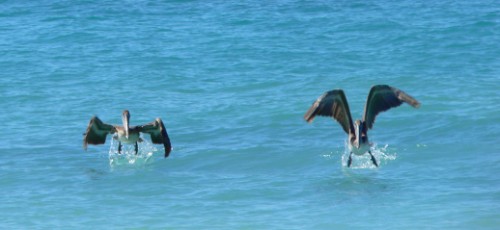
232,81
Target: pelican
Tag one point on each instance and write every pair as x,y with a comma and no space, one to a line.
97,131
334,104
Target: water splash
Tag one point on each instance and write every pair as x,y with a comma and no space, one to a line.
127,156
381,154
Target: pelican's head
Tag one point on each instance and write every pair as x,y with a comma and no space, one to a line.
125,120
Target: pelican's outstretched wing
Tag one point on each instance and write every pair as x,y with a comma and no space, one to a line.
158,134
382,98
96,132
334,104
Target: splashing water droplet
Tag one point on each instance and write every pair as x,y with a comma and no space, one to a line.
381,154
128,157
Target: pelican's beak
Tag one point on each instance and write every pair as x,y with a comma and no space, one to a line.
125,120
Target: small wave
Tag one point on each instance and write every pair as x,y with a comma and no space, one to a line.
127,156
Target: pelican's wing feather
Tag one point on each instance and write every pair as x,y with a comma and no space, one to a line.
158,134
96,132
333,104
383,97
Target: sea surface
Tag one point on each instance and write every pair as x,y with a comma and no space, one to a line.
232,80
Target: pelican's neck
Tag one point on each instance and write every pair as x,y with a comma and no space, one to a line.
358,141
125,120
360,135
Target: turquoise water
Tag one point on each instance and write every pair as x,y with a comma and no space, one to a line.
231,81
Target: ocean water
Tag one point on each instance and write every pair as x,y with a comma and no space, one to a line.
232,80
